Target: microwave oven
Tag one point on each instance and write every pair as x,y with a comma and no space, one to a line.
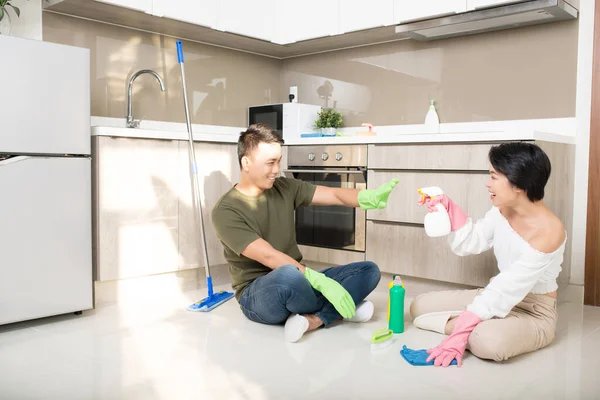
288,119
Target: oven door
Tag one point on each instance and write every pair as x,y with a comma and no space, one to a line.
332,227
271,115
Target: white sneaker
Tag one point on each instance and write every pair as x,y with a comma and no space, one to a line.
364,312
295,327
435,321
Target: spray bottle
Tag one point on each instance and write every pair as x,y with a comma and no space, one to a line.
436,223
397,293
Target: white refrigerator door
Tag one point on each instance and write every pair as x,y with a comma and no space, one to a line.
44,98
45,237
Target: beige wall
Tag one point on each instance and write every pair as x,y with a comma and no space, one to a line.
521,73
515,74
221,83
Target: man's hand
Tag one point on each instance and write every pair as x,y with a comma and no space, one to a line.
333,291
376,198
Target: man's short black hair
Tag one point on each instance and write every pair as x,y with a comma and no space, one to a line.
253,136
525,165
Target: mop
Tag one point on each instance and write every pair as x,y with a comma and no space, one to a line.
213,300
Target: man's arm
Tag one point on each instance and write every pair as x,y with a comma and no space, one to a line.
328,196
261,251
367,199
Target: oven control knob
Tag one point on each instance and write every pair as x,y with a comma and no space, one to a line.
324,156
338,156
311,157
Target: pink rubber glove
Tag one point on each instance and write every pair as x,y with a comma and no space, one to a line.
454,346
458,218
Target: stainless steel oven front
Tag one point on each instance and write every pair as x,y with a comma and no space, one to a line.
339,166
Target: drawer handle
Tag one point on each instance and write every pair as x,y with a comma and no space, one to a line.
323,171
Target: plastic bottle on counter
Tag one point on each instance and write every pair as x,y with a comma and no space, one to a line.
432,121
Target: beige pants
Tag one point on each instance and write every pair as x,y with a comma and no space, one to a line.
528,327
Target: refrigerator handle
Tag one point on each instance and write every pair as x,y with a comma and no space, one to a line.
12,159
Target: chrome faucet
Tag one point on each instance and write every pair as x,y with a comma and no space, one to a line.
130,122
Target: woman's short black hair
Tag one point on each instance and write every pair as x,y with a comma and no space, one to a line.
525,165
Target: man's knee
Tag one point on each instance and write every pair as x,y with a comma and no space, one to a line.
289,276
372,274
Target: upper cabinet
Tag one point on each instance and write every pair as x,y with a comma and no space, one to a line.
140,5
281,24
302,20
411,10
248,18
356,15
195,12
472,4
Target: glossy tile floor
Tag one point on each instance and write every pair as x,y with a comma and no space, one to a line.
155,349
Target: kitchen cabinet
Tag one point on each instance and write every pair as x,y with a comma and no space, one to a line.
356,15
473,4
466,189
310,19
396,239
406,250
135,207
139,5
194,12
218,171
449,156
411,10
143,215
248,18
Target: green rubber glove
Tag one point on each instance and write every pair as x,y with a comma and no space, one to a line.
376,198
333,291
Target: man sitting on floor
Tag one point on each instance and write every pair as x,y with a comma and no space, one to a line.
255,222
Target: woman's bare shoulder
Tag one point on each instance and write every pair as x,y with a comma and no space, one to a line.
551,235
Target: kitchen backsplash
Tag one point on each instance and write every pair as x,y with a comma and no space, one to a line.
521,73
221,83
514,74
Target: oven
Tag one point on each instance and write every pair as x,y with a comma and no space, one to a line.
338,166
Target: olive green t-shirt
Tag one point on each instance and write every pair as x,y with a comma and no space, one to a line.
240,219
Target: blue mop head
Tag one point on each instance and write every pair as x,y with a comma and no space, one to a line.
210,302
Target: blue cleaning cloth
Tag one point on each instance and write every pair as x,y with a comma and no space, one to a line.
316,134
418,357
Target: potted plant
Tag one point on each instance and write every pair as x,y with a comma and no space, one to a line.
5,22
328,120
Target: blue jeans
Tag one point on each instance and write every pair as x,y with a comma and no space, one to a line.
271,298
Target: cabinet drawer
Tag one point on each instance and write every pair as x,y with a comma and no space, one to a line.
466,189
406,250
430,156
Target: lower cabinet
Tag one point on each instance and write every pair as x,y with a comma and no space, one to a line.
396,239
143,216
406,250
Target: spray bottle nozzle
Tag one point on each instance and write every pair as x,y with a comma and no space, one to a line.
430,191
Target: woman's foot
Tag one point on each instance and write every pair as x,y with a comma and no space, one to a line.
297,325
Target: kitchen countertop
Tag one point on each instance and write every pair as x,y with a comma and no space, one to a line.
560,130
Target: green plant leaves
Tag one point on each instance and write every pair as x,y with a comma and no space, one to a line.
329,118
16,9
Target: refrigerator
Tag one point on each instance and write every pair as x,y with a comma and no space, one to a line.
45,180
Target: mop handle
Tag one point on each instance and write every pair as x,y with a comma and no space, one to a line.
194,170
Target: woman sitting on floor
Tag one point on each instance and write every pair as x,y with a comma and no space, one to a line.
516,312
